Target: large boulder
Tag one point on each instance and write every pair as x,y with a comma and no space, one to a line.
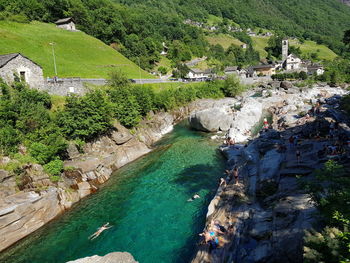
211,120
286,85
114,257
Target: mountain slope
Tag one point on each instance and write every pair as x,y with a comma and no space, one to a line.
77,54
321,20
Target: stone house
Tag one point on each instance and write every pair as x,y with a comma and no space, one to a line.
231,70
198,74
26,69
315,69
66,23
292,63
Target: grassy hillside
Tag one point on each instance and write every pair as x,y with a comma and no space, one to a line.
224,40
259,44
324,53
77,54
308,47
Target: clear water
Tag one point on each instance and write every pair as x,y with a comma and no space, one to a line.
145,201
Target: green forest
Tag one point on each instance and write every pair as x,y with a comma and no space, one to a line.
137,28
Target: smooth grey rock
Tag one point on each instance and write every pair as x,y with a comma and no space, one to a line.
72,150
114,257
3,175
211,120
286,85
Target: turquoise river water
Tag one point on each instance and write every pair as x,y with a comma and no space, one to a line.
145,201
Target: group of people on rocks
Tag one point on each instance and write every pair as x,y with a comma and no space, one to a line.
230,174
212,236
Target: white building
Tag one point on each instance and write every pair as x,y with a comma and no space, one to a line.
292,63
198,74
12,65
315,69
66,23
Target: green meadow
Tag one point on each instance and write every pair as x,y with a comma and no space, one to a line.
77,54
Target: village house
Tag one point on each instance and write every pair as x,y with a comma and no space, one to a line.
66,23
12,65
231,70
244,46
198,74
315,69
292,63
265,70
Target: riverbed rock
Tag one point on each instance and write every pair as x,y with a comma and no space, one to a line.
114,257
211,120
286,85
25,212
121,134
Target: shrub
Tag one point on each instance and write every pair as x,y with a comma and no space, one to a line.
41,152
9,140
232,86
163,70
144,96
54,167
118,79
86,117
125,106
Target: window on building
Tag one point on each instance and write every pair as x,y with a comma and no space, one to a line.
22,75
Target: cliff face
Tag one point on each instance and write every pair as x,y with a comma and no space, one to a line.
266,212
25,208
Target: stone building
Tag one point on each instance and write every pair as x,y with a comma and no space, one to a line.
264,70
26,69
284,49
292,63
315,69
66,23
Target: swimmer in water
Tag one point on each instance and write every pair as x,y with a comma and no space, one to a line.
99,231
193,198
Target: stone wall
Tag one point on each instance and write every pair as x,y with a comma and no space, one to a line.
33,73
66,86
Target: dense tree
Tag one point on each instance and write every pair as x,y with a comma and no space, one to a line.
86,117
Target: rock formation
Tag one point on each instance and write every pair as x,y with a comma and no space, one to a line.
115,257
266,213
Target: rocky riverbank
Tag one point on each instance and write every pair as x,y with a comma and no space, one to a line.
266,213
27,205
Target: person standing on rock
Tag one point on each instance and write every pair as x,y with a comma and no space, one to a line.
223,182
235,174
298,155
266,124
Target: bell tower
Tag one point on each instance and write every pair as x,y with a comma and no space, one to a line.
284,49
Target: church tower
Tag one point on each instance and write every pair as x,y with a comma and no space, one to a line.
284,49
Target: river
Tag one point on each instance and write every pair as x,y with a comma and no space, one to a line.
145,202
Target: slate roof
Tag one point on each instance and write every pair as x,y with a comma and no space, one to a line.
64,21
4,59
264,66
231,69
315,66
